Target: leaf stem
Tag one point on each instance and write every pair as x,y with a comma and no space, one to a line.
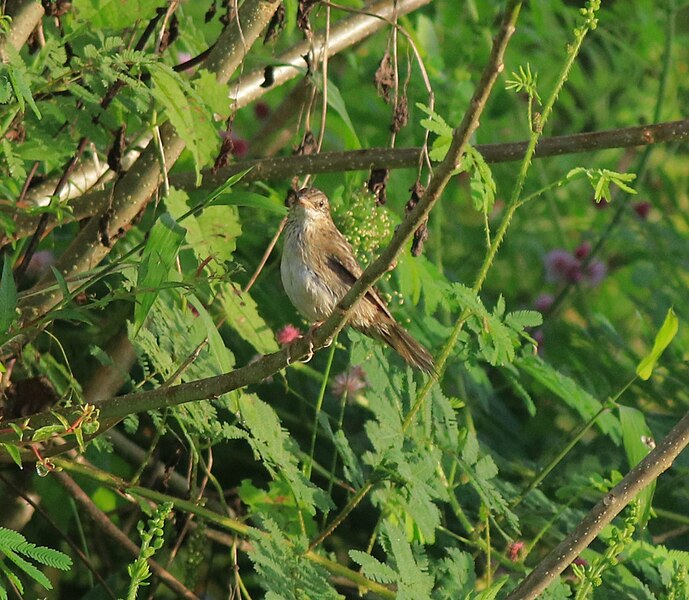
319,405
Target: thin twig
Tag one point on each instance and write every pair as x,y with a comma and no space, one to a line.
266,256
103,522
78,551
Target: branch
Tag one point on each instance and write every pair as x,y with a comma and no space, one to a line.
282,167
439,180
342,35
650,468
115,409
402,158
26,15
345,33
234,525
103,522
137,186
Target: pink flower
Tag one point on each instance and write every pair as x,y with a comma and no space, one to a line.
287,335
261,110
561,265
642,209
515,549
240,147
580,561
582,250
544,302
349,382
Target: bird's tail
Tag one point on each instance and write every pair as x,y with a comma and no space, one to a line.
405,345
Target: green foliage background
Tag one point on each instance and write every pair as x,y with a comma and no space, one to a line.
329,480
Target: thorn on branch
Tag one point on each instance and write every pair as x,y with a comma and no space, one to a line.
223,158
303,12
308,145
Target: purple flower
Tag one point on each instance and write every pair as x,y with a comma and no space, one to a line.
261,110
349,382
595,272
582,250
544,302
561,265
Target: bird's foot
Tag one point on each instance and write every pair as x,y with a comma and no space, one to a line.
309,339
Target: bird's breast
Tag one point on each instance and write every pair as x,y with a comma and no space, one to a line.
302,277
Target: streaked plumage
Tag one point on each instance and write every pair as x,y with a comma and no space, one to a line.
318,268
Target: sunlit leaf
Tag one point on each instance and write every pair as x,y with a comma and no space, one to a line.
665,334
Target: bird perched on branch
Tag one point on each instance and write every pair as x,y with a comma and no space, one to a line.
319,267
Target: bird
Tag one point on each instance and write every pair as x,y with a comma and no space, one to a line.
318,267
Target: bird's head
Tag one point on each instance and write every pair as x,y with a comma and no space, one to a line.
309,203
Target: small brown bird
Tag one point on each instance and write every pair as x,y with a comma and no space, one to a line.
319,267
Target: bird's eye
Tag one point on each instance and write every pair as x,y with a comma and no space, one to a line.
321,203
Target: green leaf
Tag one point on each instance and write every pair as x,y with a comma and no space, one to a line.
283,570
492,592
572,394
251,199
14,163
219,352
62,284
43,433
211,232
14,453
158,257
212,92
483,188
436,124
638,440
338,104
115,14
8,298
273,444
28,568
18,78
667,332
227,186
242,315
191,121
373,568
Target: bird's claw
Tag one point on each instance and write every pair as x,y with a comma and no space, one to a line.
309,339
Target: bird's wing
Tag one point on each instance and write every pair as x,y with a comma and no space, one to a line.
339,256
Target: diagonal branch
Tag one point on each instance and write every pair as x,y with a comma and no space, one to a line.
650,468
137,186
343,34
109,529
115,409
26,15
440,178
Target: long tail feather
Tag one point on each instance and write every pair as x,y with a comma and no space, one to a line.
404,344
